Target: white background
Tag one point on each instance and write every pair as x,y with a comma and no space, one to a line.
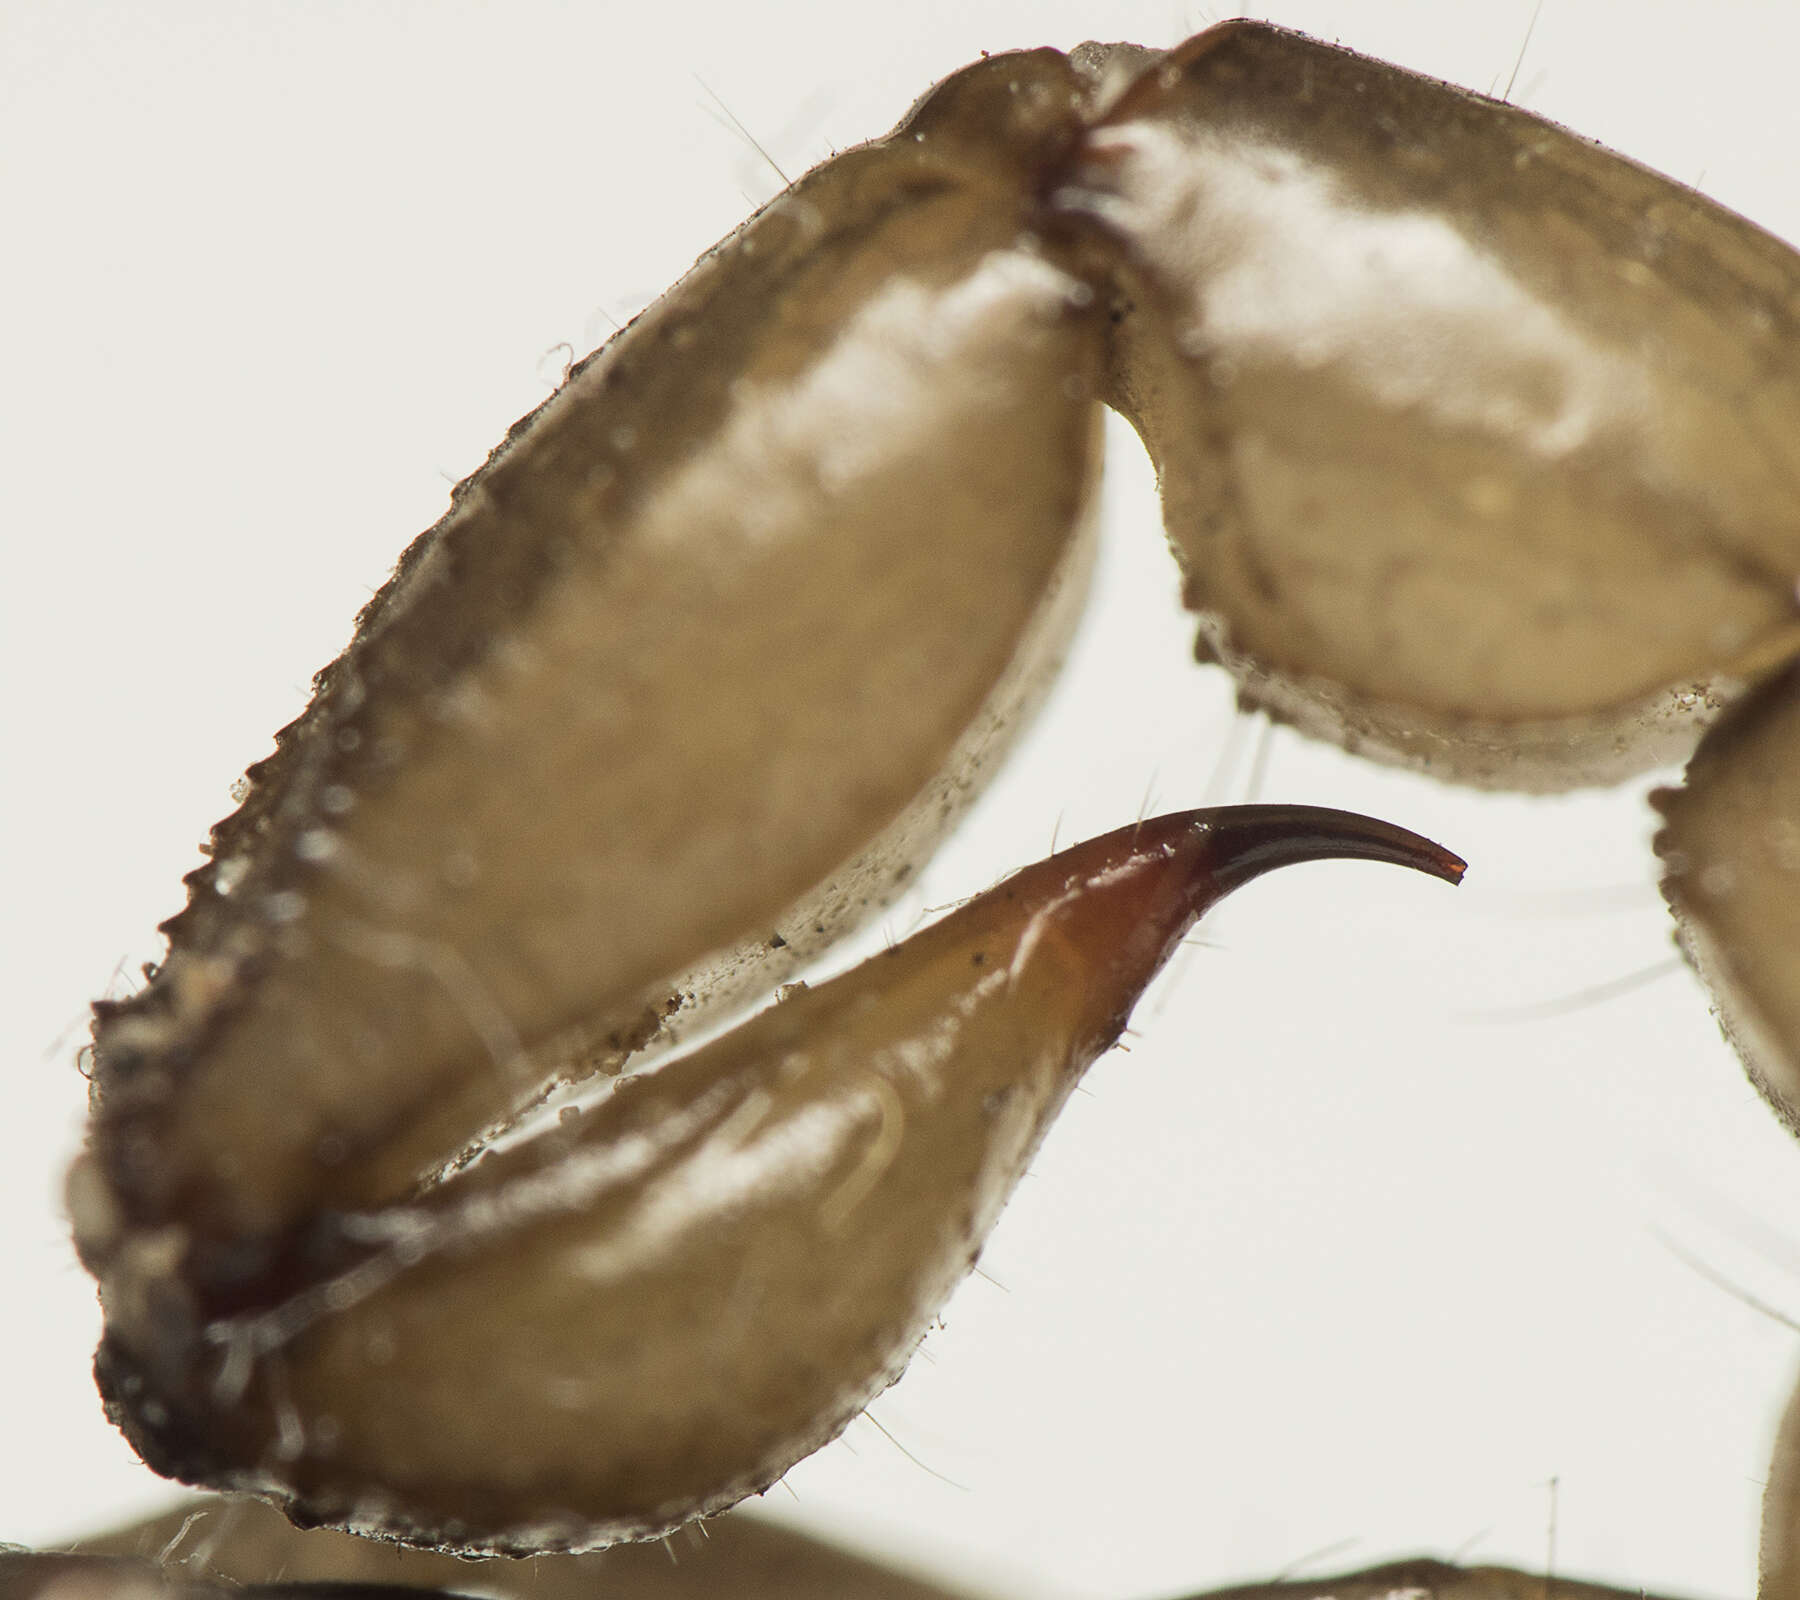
1326,1263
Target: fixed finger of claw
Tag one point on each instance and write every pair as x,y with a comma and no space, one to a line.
658,1306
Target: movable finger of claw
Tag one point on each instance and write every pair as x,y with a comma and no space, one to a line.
659,1306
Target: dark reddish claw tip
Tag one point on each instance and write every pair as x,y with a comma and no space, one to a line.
1122,903
1246,841
1143,886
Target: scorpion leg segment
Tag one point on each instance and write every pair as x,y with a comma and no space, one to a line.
213,1549
1730,847
740,1556
1778,1549
1479,444
658,1306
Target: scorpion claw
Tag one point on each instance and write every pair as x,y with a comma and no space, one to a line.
715,1267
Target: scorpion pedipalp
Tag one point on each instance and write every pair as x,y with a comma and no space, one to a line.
1524,1091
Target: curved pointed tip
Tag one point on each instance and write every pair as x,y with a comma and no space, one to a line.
1142,886
1243,842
